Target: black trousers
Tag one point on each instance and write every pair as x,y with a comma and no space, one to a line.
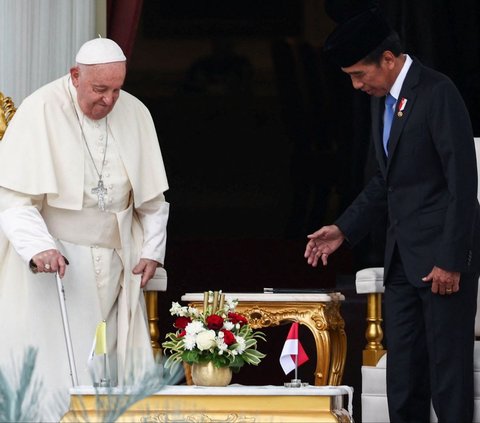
430,341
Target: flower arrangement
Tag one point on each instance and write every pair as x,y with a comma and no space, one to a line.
218,334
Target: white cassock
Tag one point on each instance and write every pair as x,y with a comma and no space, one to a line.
46,201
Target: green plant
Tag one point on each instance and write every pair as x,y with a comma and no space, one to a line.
20,391
22,396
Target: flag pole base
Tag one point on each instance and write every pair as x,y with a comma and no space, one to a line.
104,383
295,383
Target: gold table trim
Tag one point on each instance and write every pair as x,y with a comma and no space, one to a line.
229,405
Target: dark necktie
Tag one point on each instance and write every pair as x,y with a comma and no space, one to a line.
390,101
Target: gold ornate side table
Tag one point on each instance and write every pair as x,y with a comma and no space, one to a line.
232,404
318,312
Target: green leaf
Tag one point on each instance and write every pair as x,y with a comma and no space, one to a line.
252,356
237,362
191,356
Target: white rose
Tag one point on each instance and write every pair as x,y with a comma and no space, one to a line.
206,340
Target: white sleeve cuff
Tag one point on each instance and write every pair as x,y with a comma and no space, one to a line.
154,221
26,230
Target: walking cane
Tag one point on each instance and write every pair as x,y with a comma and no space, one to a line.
66,330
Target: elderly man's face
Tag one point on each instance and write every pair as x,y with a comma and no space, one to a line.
372,78
98,87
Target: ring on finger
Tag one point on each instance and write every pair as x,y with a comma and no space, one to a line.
47,266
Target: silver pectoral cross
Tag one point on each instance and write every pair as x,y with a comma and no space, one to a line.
100,190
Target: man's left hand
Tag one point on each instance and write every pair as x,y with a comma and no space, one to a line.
146,268
443,281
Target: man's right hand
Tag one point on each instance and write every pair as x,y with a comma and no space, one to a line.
322,243
50,261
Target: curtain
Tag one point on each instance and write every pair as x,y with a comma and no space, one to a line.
39,40
123,17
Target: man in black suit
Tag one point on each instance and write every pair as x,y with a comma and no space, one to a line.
426,185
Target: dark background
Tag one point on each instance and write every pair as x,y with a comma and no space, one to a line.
264,142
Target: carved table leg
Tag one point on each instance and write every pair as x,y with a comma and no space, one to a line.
338,339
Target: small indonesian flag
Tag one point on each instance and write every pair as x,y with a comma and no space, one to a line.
292,348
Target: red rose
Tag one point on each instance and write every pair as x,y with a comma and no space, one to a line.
237,318
182,322
228,337
182,333
214,322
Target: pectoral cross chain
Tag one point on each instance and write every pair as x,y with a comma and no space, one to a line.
100,191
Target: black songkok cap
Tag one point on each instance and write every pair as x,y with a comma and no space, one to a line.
355,38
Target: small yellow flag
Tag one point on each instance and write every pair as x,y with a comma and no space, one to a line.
101,338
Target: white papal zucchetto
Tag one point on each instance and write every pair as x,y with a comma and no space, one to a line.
98,51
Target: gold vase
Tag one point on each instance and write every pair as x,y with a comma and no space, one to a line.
207,374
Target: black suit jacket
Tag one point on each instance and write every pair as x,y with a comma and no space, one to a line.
428,185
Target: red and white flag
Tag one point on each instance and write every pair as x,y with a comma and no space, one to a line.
292,348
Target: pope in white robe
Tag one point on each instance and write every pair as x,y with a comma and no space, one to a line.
65,138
